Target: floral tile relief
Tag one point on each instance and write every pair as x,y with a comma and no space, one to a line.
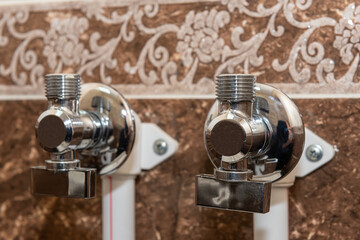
177,48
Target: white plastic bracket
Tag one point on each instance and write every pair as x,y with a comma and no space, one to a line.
150,134
306,166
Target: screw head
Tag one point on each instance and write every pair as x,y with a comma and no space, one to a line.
314,152
160,147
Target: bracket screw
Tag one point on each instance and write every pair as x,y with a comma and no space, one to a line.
160,147
314,152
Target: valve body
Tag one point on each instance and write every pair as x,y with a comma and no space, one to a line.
101,130
253,135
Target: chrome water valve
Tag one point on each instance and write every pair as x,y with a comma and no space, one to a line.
96,128
254,136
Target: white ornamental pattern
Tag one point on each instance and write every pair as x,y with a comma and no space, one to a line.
70,44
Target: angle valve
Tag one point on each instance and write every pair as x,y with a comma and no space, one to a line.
96,128
254,135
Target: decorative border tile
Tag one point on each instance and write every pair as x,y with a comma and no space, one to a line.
145,52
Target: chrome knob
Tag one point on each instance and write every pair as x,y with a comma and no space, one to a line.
254,135
55,124
227,137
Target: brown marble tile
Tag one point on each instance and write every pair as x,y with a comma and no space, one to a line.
323,205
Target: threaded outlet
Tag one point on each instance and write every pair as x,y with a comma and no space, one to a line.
235,87
62,86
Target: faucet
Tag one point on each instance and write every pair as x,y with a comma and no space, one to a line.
96,128
254,136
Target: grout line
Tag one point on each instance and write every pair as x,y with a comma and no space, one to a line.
16,97
323,96
212,96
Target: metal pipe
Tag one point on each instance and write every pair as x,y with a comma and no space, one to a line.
236,92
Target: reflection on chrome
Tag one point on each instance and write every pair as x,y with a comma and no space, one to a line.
223,196
97,124
253,133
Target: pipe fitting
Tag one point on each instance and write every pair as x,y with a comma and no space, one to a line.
62,127
253,135
62,86
235,87
236,133
98,124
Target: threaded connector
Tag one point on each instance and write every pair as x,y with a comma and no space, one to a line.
62,86
235,87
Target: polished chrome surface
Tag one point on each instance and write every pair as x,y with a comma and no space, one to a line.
248,196
232,175
235,87
62,86
64,161
275,131
253,133
77,183
59,129
118,138
99,125
288,134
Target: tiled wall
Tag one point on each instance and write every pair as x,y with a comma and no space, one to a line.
171,51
